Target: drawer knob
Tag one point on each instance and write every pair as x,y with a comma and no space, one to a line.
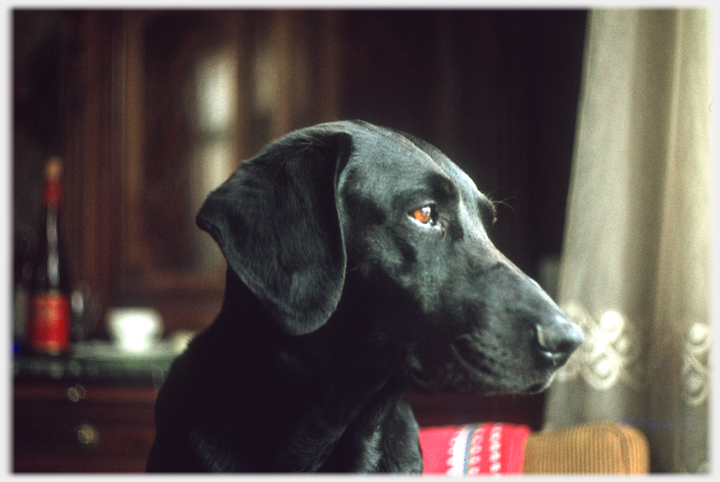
87,434
76,393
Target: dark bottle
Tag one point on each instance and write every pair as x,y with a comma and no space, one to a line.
22,271
48,330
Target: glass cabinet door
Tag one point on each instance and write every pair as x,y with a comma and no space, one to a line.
161,107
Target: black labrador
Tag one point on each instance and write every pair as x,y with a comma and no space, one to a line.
358,265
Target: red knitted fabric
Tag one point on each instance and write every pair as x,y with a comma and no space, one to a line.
489,448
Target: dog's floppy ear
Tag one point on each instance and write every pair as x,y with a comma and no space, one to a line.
276,221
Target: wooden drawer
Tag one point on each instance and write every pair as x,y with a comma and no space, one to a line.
82,427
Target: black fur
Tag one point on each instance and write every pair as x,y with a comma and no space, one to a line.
337,300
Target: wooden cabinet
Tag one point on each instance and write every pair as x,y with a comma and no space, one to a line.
158,109
82,426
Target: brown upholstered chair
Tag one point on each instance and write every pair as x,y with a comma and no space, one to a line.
593,448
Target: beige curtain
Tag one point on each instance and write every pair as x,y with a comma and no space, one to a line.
634,270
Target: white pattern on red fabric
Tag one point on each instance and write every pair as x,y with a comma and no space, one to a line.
458,444
496,449
488,448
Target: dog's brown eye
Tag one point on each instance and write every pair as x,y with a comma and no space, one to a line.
423,215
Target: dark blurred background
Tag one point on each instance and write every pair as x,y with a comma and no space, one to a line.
150,110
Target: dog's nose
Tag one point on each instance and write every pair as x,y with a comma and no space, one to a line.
558,339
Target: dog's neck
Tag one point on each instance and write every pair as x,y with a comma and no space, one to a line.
337,343
351,396
238,298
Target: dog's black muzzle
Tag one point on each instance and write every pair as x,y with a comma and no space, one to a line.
509,336
546,336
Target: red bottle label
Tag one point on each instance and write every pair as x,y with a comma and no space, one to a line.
49,327
52,194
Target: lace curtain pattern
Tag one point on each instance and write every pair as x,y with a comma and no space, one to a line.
635,267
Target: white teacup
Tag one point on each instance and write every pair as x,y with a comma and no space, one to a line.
134,329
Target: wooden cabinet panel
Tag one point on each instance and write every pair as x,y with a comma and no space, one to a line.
70,427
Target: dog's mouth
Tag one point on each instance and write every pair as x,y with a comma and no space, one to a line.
468,365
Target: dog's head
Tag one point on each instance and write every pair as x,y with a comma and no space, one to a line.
390,225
